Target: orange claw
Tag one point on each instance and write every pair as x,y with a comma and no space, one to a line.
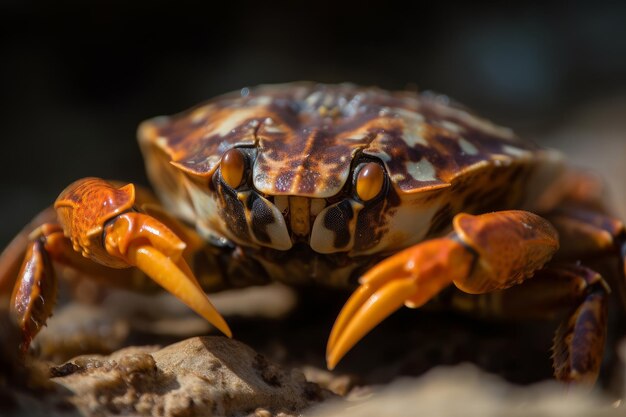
411,277
484,253
91,207
146,243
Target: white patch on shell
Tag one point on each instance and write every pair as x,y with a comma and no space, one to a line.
384,112
413,138
374,149
358,138
517,152
409,115
422,170
234,120
451,126
213,160
158,121
261,101
161,142
467,147
272,128
314,98
413,126
414,123
199,114
501,160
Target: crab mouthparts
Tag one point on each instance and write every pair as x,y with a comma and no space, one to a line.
300,216
325,227
280,222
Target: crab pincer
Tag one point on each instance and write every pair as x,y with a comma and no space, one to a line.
484,253
100,221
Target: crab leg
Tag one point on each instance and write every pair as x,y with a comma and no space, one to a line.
35,291
575,294
588,234
98,220
484,253
580,339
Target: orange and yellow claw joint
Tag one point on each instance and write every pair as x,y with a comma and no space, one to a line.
100,221
484,253
411,277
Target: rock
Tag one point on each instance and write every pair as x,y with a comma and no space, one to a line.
202,376
466,391
78,328
340,384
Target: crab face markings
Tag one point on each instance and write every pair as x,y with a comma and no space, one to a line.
278,222
303,182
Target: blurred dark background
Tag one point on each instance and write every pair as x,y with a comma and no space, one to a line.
76,80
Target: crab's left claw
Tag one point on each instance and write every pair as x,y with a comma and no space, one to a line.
484,253
146,243
101,221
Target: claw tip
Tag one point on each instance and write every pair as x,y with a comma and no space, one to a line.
332,360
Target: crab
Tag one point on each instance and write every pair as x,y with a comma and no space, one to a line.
398,195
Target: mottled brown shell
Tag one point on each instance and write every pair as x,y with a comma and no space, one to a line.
307,136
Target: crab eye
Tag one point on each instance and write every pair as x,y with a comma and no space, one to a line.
370,181
232,167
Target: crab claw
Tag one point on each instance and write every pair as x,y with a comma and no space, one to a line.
144,242
484,253
411,278
91,208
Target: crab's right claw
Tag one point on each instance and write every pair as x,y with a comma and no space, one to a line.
484,253
411,278
142,241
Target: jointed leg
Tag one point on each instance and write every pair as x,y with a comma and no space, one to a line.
12,256
575,293
589,235
577,207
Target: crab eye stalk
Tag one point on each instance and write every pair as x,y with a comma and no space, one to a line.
370,181
232,167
